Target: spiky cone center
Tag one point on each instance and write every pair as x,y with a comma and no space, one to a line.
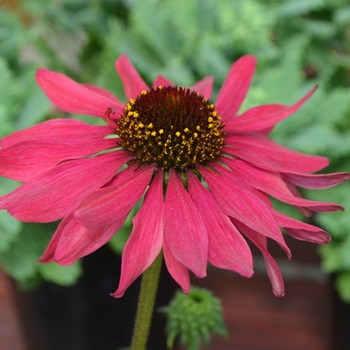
171,127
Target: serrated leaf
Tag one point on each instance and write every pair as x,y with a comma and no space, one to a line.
334,106
307,140
20,261
282,82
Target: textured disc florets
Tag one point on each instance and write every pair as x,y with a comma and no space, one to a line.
172,127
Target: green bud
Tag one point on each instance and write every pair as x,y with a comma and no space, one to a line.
193,318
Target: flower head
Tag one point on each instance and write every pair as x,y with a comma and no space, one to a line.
205,174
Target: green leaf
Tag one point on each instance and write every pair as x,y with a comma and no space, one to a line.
296,7
342,15
9,229
9,226
61,275
35,103
331,259
321,29
308,139
20,261
12,35
334,107
343,285
9,96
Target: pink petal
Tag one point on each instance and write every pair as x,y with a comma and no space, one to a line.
272,268
115,200
73,97
204,87
78,241
184,229
227,248
177,270
240,202
58,191
305,211
49,254
301,230
273,185
236,86
102,92
73,241
316,181
146,239
162,81
132,81
68,131
263,117
264,153
26,160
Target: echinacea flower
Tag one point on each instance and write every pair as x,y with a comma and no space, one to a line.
206,174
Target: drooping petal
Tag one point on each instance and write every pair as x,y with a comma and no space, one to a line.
49,254
68,131
239,202
235,87
227,248
73,241
58,191
116,200
162,81
265,116
184,229
204,87
293,189
132,81
301,230
26,160
316,181
273,185
73,97
264,153
177,270
146,239
272,268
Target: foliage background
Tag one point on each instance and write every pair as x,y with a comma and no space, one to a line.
298,44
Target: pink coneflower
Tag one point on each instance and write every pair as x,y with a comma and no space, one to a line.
206,174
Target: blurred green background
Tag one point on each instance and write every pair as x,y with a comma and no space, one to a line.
298,44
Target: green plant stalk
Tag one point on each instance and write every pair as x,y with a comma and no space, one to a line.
147,297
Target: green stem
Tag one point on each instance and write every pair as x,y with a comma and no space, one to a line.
147,297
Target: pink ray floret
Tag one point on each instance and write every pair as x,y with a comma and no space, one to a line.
195,209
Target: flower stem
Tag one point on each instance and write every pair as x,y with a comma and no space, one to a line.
147,297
